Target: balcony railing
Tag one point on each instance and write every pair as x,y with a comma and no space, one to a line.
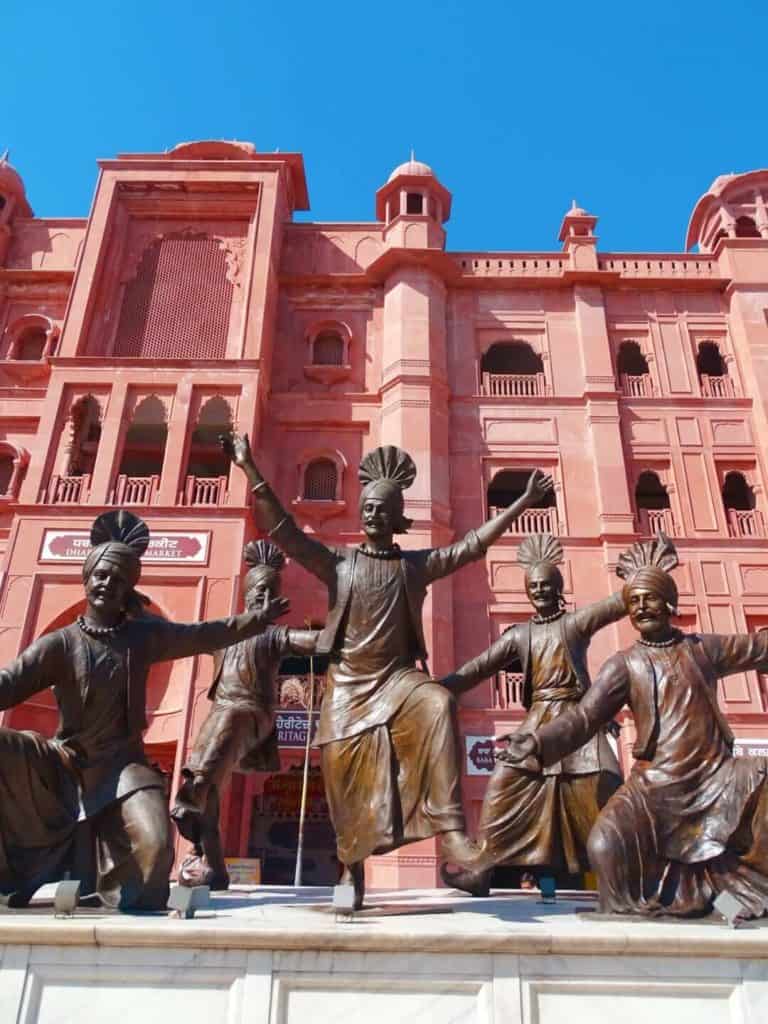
512,385
533,520
745,523
68,490
659,265
508,690
205,490
135,490
656,520
637,385
717,387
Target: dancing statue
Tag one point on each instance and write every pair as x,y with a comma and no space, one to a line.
542,819
95,772
387,732
691,820
239,731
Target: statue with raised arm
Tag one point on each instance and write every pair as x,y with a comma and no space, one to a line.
387,732
542,819
691,820
95,771
239,732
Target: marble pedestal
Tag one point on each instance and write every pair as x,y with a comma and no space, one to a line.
266,956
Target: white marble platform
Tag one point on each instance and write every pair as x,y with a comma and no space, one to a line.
265,956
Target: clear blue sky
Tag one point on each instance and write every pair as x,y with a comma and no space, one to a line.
631,108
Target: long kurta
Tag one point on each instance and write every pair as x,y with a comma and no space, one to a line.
95,769
535,820
691,820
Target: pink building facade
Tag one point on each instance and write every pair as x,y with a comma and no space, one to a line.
190,302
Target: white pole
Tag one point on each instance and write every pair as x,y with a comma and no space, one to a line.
305,780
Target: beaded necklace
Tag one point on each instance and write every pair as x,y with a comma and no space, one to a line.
91,630
674,639
388,553
540,620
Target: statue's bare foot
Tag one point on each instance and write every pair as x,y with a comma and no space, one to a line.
195,870
476,883
457,848
354,874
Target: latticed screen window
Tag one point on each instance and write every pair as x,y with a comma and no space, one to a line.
178,304
320,480
328,349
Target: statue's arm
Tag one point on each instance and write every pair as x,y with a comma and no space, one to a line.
492,660
42,664
272,518
302,641
595,616
738,652
170,640
539,486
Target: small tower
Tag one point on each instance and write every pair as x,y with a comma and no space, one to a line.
13,203
414,206
578,238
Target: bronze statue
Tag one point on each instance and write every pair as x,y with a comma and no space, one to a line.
387,733
691,820
239,731
542,819
95,771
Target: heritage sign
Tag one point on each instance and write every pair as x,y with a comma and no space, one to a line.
480,751
188,547
292,727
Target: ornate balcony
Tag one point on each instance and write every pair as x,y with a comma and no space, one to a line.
508,691
717,387
637,385
205,490
68,490
656,520
512,385
745,523
533,520
134,490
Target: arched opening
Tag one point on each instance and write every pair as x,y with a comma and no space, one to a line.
6,473
713,371
746,228
328,349
653,506
143,453
507,487
30,345
207,465
512,369
85,427
744,519
320,480
634,373
414,202
3,201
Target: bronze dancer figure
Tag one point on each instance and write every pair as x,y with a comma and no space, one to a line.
239,732
691,820
532,819
95,769
388,735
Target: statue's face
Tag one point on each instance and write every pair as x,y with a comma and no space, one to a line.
107,589
543,590
378,517
648,612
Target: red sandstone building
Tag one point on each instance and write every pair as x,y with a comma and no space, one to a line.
190,302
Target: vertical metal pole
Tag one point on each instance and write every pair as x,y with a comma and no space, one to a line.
305,780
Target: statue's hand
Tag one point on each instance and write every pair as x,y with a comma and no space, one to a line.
521,751
453,682
238,448
271,609
539,486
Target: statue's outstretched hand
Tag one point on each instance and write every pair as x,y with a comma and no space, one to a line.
238,448
272,608
521,751
539,486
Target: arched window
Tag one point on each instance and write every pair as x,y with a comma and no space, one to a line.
6,472
746,228
86,434
512,369
207,465
320,480
328,349
143,454
744,519
713,371
13,463
414,202
634,373
2,203
653,506
30,346
507,487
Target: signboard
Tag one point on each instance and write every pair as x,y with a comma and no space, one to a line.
480,751
177,546
292,727
743,746
244,870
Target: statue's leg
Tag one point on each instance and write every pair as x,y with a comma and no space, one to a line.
354,875
135,852
206,866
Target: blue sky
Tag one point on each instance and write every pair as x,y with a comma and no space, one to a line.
631,108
